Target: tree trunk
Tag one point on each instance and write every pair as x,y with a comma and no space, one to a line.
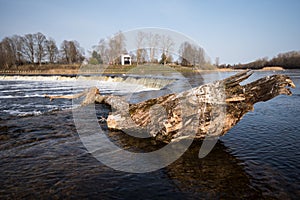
207,110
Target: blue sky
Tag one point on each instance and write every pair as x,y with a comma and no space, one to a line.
234,30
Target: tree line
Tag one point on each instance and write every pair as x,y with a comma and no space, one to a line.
38,49
288,60
149,48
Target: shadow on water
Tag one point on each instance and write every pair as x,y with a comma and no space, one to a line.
43,157
218,175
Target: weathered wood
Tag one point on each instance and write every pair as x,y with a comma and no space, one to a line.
91,95
263,89
210,109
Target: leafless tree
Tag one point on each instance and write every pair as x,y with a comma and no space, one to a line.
102,49
71,52
65,53
217,61
40,47
143,55
153,41
200,56
28,46
140,51
111,49
52,50
6,54
2,57
8,51
116,47
185,52
17,43
191,55
11,51
166,45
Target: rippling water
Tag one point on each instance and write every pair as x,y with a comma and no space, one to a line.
41,155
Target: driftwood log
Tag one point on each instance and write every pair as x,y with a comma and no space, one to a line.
207,110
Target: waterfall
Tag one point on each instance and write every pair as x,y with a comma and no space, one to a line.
150,82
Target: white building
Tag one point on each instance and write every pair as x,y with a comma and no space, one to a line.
125,59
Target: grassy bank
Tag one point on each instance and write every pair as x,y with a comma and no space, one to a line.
67,69
60,69
91,69
43,69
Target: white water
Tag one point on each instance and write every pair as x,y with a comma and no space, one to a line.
24,95
149,82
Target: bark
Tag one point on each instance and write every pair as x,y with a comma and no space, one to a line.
207,110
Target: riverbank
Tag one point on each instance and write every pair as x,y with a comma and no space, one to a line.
272,69
103,70
113,69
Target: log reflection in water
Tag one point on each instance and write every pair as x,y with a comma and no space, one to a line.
219,175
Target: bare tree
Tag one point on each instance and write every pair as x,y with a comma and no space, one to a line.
110,50
71,52
52,50
200,56
166,45
186,54
17,43
116,47
217,61
28,46
153,41
143,55
8,52
139,44
3,64
74,51
102,49
191,55
64,49
11,51
40,47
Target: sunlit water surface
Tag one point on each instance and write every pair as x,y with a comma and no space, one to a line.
41,155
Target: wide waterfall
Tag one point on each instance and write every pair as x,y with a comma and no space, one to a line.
149,82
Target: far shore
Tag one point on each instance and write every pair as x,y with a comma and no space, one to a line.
119,70
272,69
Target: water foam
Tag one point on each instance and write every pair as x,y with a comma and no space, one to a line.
146,81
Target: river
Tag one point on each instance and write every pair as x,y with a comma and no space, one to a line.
41,154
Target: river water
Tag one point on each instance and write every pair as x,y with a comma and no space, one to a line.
41,154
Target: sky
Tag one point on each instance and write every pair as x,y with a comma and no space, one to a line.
236,31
